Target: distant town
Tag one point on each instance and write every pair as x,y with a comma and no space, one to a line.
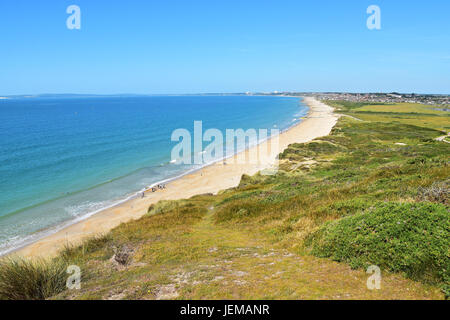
394,97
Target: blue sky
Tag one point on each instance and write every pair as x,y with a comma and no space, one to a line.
194,46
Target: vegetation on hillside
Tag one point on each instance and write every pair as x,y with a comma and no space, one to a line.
401,237
372,192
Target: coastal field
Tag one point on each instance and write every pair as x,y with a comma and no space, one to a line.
374,191
409,113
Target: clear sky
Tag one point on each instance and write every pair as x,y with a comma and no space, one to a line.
189,46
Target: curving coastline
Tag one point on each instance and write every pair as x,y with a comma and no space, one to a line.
209,179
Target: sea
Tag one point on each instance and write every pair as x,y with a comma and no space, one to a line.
64,158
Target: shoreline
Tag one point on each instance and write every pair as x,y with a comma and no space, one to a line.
211,178
43,233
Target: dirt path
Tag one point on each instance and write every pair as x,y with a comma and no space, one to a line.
349,116
443,138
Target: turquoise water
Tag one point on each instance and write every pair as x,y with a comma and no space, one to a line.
65,158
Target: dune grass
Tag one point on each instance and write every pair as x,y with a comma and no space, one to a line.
31,280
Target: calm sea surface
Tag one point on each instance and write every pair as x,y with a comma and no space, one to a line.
63,159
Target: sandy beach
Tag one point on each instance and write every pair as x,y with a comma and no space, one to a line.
210,179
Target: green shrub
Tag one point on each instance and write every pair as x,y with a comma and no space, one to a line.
31,280
413,238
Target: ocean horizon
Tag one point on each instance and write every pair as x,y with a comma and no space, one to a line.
65,158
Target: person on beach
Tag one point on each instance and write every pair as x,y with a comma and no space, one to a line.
142,195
